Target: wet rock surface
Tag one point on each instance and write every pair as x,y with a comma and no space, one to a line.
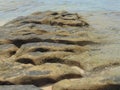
19,87
15,73
106,80
57,48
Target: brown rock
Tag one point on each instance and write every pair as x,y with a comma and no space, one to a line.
38,58
15,73
51,18
109,80
7,50
94,63
19,87
47,47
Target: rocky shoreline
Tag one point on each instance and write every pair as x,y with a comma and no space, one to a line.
60,49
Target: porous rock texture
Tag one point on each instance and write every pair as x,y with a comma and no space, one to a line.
57,48
105,80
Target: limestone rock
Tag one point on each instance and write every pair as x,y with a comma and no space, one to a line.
51,18
107,80
19,87
7,50
47,47
15,73
93,63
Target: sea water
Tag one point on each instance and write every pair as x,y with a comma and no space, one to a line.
10,9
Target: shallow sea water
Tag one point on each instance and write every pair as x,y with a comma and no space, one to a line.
10,9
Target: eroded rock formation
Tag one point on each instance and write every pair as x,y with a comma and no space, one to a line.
47,47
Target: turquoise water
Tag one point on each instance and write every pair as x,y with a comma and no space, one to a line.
10,9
